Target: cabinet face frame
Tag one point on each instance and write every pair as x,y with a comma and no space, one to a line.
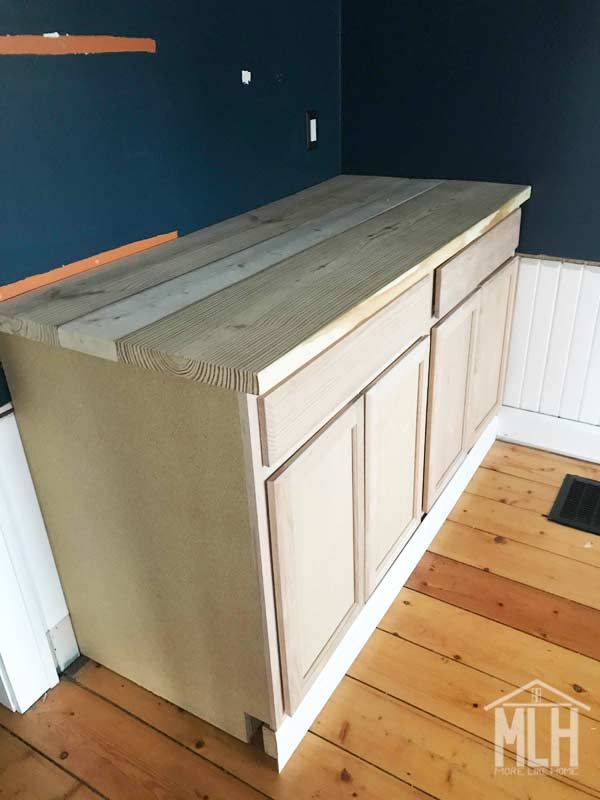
384,398
285,541
440,412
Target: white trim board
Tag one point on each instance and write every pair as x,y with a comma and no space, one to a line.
563,436
281,744
36,634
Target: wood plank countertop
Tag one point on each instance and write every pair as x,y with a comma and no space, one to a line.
246,302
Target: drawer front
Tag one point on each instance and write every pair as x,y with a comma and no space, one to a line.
297,408
459,276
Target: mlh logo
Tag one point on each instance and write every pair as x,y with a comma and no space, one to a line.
523,724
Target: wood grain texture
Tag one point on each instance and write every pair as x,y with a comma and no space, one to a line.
26,775
513,491
521,562
493,648
296,408
537,465
113,753
436,757
317,768
252,334
522,607
462,274
458,694
528,527
67,45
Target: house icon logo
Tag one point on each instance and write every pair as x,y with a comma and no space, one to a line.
540,725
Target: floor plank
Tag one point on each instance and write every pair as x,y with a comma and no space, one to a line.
26,775
437,757
537,465
527,527
114,754
520,562
317,768
513,491
525,608
499,650
458,694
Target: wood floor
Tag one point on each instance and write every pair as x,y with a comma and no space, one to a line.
502,597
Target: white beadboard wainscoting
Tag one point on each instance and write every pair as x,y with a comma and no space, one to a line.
552,394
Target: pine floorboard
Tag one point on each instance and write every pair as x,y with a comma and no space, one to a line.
502,597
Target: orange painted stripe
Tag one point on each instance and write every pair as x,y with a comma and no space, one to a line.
58,274
66,45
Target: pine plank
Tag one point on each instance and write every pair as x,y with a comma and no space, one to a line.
458,694
107,325
438,758
499,650
54,306
537,465
256,333
513,491
317,768
520,562
524,608
246,303
527,527
26,775
114,753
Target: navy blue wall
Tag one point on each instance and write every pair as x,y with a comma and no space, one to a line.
102,150
481,89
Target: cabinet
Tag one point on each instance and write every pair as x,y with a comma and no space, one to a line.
395,410
468,360
316,516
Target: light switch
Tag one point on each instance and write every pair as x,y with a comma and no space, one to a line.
311,130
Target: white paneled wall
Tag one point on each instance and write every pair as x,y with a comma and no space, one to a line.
554,358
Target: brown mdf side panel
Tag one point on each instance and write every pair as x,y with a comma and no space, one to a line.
142,486
459,276
316,516
395,412
452,352
491,348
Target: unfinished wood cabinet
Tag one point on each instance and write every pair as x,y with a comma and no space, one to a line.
452,351
395,410
226,433
496,300
468,365
316,521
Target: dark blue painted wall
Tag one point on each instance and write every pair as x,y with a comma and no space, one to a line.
98,151
481,89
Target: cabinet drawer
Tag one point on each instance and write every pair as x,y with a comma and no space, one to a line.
297,408
459,276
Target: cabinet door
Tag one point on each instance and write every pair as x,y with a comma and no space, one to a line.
395,409
491,347
316,512
452,352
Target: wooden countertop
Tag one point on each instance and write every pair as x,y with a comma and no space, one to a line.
244,303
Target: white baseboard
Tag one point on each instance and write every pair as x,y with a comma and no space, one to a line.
563,436
63,644
280,744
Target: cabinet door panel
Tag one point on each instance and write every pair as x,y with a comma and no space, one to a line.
491,347
452,351
395,407
316,517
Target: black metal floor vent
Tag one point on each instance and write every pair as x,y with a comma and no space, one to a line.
577,504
